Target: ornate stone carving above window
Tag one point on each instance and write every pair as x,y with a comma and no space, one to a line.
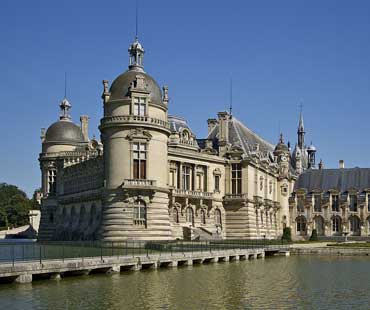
139,134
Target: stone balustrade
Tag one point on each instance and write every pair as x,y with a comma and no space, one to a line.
190,193
140,182
134,119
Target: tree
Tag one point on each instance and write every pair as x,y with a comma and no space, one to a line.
14,206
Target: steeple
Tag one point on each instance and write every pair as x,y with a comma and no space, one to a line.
136,50
301,131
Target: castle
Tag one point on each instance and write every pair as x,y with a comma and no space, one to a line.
151,178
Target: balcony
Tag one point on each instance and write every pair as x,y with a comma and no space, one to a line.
176,192
235,198
135,119
139,183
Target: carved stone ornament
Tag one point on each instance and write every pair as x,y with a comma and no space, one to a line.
139,133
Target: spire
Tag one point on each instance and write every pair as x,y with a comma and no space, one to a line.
301,131
281,138
64,105
231,96
136,50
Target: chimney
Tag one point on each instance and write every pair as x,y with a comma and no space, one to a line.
85,127
223,134
341,164
212,122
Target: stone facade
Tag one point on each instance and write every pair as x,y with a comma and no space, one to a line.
151,178
332,201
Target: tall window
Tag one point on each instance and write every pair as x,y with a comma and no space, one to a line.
236,178
317,203
186,170
172,178
139,106
335,203
336,224
368,203
218,219
301,224
199,182
353,203
52,184
139,150
140,213
217,183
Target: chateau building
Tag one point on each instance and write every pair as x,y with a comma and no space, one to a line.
151,178
332,201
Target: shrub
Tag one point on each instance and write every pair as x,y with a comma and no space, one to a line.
287,234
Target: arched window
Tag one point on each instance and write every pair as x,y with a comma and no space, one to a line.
140,213
218,218
319,225
73,215
175,215
92,214
190,216
354,225
82,214
185,135
336,224
202,217
301,225
64,213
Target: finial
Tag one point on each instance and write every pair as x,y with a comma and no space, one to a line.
65,85
281,138
231,96
136,21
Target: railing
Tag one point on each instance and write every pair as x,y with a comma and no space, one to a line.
18,252
235,196
134,119
188,142
195,194
139,182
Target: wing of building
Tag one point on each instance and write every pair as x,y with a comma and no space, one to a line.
151,178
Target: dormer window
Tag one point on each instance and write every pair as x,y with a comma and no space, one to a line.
140,106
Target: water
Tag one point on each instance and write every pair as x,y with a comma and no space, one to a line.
296,282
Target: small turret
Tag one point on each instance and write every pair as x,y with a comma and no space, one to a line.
311,150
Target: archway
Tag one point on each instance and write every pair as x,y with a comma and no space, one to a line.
319,225
354,225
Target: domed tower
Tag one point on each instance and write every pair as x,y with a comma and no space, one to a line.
135,133
61,137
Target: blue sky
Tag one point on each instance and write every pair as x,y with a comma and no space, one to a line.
279,54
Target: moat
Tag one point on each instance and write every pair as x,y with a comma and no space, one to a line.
296,282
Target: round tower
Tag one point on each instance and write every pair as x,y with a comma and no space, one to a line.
135,133
282,155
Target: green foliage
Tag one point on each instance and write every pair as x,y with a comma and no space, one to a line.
14,206
314,235
287,234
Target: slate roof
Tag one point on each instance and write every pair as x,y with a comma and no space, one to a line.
241,135
339,179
